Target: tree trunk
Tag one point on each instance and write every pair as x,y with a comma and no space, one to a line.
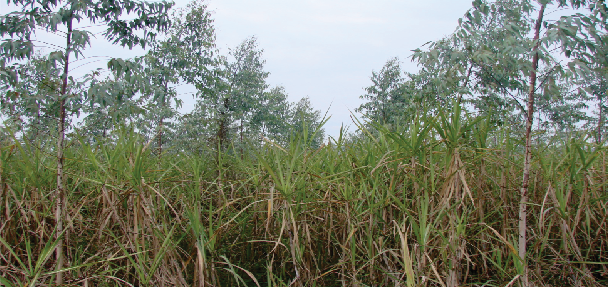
160,127
600,121
523,213
223,130
160,136
60,194
242,139
3,197
466,83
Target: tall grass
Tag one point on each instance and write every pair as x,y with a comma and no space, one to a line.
433,204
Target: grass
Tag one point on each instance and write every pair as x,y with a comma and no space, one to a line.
432,205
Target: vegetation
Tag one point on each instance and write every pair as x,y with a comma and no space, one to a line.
485,168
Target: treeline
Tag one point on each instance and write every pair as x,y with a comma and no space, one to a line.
234,103
495,60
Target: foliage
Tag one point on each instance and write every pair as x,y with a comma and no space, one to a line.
364,212
386,95
487,60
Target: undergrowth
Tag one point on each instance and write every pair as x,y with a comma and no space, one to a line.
430,205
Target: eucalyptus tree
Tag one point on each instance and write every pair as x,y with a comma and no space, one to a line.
386,95
480,60
161,66
560,108
273,120
195,131
506,52
113,100
247,80
181,55
236,92
238,104
597,87
185,55
128,23
33,115
307,123
100,121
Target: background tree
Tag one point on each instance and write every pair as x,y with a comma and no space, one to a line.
33,115
236,92
386,95
307,122
598,88
273,120
395,96
596,85
247,80
115,100
481,61
184,56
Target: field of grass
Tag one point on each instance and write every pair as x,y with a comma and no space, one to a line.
435,205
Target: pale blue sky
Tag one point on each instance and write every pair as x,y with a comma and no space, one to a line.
324,49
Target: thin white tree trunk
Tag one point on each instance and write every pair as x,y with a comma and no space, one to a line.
60,194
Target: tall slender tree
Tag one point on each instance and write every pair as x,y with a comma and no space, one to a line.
237,91
307,122
273,119
506,54
185,55
386,97
128,23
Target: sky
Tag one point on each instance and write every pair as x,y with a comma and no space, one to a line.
323,49
327,49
